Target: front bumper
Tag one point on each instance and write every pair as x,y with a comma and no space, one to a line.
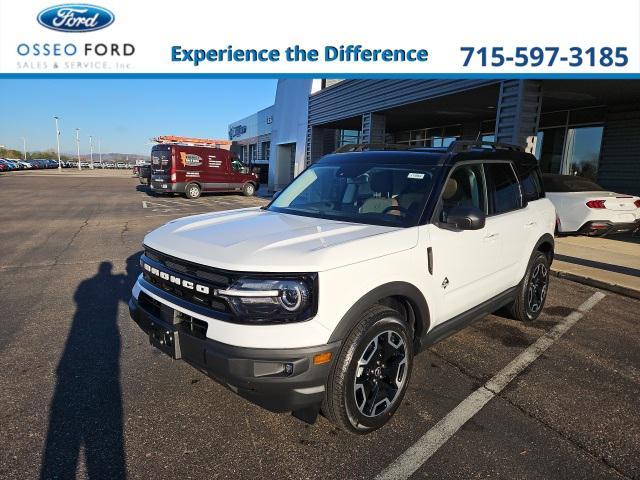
280,380
602,228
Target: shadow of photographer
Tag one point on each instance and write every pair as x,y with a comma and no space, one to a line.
86,408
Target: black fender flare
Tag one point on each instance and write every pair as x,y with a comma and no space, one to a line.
393,289
547,238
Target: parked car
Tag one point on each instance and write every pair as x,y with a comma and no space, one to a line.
585,208
9,164
364,260
144,174
191,170
18,165
3,167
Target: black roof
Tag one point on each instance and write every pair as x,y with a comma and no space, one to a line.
456,152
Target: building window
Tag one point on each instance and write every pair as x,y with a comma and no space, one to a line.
266,148
570,150
429,137
582,152
348,137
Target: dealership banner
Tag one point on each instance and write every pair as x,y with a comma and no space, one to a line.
289,37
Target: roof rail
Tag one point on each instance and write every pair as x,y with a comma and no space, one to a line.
368,147
463,145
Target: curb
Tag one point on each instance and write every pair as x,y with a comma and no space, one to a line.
592,282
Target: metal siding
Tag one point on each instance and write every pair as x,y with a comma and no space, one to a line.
619,167
352,98
518,111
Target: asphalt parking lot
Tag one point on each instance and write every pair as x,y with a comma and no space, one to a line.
84,394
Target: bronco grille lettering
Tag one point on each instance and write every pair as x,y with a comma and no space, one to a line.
177,280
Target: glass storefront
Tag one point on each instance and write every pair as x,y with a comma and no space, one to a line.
429,137
570,150
582,152
566,145
348,137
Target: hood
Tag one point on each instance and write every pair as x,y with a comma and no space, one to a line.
255,240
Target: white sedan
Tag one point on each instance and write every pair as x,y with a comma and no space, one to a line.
583,207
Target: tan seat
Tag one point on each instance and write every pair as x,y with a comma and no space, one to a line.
379,205
450,189
382,184
414,193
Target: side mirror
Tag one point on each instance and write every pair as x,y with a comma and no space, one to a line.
466,218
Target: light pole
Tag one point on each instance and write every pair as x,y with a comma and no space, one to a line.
58,143
91,151
100,153
24,148
78,146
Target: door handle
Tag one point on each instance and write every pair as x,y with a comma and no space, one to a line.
530,224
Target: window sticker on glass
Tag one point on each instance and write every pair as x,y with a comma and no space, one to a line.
416,176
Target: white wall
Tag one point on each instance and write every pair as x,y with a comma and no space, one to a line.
290,116
257,124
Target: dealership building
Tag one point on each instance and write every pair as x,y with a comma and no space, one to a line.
582,127
251,140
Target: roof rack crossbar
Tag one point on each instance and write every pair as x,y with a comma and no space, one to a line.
464,145
369,147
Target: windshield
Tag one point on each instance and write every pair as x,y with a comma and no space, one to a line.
392,195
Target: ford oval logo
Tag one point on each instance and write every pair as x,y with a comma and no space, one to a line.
75,17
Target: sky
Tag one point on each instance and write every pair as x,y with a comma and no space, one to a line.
124,113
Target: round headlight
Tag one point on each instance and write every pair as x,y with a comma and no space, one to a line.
294,295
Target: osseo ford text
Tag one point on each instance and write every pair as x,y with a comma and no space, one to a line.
71,49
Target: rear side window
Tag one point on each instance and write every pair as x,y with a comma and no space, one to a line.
504,190
531,183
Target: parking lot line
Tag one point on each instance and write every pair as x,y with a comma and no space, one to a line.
416,455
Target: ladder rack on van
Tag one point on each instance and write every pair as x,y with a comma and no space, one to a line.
192,142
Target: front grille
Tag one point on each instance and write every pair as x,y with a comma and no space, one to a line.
192,326
149,304
186,323
197,274
219,278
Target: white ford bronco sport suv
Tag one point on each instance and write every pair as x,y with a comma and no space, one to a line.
319,301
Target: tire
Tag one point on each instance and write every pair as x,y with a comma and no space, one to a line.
532,290
350,402
249,189
192,191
